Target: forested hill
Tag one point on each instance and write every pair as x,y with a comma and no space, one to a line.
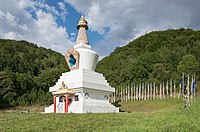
26,72
156,56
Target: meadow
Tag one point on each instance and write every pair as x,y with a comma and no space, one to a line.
146,115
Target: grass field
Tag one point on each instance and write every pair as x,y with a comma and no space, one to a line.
151,115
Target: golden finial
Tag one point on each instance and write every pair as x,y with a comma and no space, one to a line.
82,23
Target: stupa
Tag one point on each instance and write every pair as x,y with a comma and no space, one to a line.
81,90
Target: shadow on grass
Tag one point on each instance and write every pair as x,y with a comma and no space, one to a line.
7,107
116,104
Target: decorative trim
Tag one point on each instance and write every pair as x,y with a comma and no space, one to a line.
72,52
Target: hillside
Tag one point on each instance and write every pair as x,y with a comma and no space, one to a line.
156,56
26,73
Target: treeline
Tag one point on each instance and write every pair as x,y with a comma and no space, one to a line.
154,57
26,73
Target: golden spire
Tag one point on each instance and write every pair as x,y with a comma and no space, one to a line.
82,23
82,34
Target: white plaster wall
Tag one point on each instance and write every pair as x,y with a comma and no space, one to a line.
87,59
96,103
98,106
49,109
60,106
96,94
83,78
76,106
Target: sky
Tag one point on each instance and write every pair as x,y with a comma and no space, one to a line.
112,23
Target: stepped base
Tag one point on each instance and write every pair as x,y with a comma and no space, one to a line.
90,106
49,109
99,107
87,92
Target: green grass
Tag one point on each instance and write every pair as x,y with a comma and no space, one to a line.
151,106
154,115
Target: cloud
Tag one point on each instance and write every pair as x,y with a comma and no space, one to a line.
129,19
34,22
12,35
116,22
72,34
63,10
61,6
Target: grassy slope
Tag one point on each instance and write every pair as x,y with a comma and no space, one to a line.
153,117
152,106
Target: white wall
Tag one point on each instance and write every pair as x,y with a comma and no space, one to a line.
76,106
87,57
96,94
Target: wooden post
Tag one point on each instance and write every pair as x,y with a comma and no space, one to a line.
131,92
188,92
179,94
160,90
114,95
174,89
54,104
66,104
167,89
191,92
148,90
142,85
136,87
126,92
121,93
145,93
151,94
182,90
135,91
194,88
134,94
163,88
170,88
139,90
154,90
156,87
118,93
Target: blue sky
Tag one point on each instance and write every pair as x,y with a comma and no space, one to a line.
72,17
112,23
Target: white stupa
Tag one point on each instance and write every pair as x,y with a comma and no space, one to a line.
82,90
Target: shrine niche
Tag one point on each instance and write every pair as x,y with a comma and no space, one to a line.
72,59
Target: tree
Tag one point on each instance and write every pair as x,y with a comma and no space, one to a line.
160,72
153,56
187,65
7,88
27,71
